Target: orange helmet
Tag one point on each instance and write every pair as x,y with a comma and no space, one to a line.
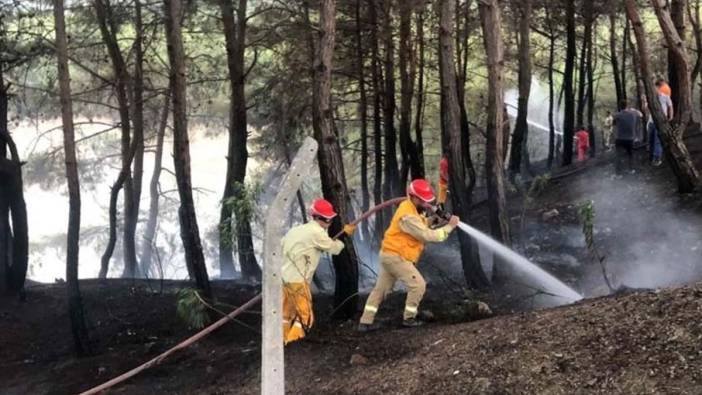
322,208
422,190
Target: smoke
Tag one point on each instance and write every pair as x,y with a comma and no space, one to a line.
538,117
648,233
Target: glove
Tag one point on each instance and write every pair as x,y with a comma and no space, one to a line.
349,229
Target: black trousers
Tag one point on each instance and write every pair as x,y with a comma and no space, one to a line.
625,152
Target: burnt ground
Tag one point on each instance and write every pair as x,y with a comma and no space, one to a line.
642,342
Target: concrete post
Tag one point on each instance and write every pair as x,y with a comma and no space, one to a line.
272,361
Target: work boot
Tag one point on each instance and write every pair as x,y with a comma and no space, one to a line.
363,328
412,323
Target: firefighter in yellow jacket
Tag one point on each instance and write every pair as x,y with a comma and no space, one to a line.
400,251
302,249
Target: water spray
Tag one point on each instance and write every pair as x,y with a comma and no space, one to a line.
548,281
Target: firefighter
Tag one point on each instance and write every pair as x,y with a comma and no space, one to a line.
302,248
400,251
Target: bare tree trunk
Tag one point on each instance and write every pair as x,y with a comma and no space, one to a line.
14,238
613,52
237,155
189,231
591,86
582,75
569,114
392,187
122,86
625,41
459,182
410,161
462,42
363,113
677,14
377,116
521,128
132,217
149,239
419,113
494,161
671,134
331,164
590,23
75,304
551,98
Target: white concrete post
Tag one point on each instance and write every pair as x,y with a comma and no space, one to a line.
272,361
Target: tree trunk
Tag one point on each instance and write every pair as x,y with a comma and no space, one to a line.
149,239
392,186
234,200
494,160
613,53
590,23
377,117
363,113
521,128
419,112
410,161
677,15
189,231
459,182
462,43
331,164
551,98
132,217
122,86
671,133
625,41
569,111
14,238
75,304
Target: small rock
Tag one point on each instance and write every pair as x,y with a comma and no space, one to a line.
549,215
102,370
209,370
358,359
456,372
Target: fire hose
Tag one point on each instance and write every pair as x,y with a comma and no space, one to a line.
216,325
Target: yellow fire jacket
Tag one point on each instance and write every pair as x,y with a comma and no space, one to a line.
302,248
408,232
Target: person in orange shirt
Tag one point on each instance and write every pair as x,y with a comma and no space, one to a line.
663,87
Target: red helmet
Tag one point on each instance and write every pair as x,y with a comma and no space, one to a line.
322,208
421,189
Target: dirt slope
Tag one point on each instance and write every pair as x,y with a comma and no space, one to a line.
639,343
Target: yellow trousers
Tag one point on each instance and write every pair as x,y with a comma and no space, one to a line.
298,316
392,269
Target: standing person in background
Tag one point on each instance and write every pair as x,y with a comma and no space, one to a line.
582,138
627,122
654,141
608,131
663,87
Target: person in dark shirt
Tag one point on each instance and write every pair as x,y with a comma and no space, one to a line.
627,122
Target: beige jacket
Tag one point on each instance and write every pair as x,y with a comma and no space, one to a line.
302,248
